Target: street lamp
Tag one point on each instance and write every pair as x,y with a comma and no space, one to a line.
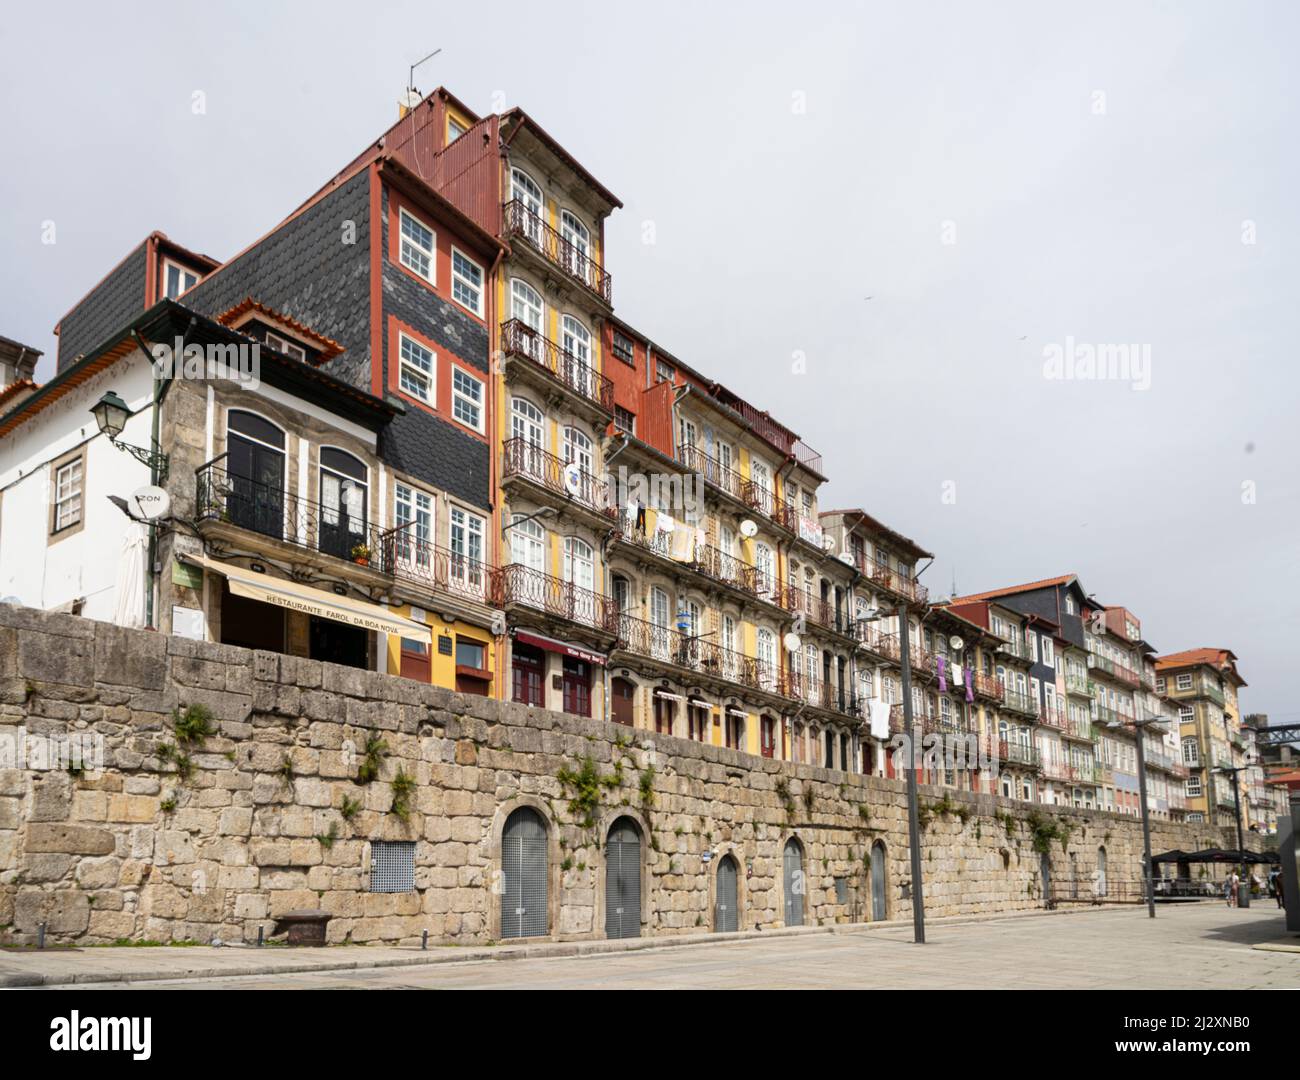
1243,889
1148,884
111,414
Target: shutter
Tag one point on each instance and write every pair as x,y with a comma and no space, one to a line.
523,867
623,881
726,917
793,881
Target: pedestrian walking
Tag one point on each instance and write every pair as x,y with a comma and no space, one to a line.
1277,889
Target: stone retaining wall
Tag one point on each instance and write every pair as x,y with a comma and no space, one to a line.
267,815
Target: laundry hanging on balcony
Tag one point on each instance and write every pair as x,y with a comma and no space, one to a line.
879,719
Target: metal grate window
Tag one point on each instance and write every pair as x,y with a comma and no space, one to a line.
841,890
392,866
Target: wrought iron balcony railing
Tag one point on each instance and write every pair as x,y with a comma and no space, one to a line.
1018,647
671,646
1018,753
1019,702
270,511
814,608
1079,684
892,580
534,589
441,569
521,340
723,477
519,221
521,458
986,686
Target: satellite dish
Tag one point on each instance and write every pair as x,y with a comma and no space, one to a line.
573,478
149,503
791,642
748,528
956,643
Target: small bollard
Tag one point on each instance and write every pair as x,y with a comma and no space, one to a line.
260,931
40,937
424,940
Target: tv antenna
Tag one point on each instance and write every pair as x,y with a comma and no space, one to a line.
410,77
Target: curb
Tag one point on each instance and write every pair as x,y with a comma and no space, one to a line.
478,954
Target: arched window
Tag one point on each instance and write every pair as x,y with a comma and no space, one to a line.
343,500
526,307
527,543
766,658
254,481
525,191
765,569
660,624
577,240
577,448
524,874
527,422
580,573
575,340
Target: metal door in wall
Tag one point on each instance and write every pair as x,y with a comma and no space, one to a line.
878,868
726,908
623,881
1045,869
793,880
523,873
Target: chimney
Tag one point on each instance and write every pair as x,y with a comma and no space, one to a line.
17,366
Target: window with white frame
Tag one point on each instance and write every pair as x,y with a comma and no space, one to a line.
1186,714
1191,752
1193,787
67,495
413,516
465,537
417,246
1049,652
177,279
467,399
1184,681
417,369
466,282
1160,684
527,543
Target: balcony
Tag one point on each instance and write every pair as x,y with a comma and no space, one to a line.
1052,769
710,561
1076,728
1053,714
1212,692
986,686
521,341
1079,685
237,506
820,694
1019,702
519,221
891,580
1114,669
875,640
1018,648
725,479
441,570
522,586
1012,752
815,609
702,656
523,460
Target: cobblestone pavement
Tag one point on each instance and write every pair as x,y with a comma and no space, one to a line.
1201,946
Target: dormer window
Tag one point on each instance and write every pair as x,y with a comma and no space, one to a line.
284,345
177,279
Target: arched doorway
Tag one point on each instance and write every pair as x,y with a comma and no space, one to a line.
623,880
726,903
524,875
879,876
792,880
1101,871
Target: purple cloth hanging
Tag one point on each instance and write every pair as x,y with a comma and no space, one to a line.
970,686
943,682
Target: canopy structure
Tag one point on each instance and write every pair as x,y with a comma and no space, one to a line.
1216,855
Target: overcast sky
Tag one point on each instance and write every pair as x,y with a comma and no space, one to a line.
915,203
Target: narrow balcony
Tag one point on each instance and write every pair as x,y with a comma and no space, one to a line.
697,653
522,460
522,586
240,509
1079,685
441,570
1018,648
557,366
891,580
875,640
1019,702
1012,752
519,221
722,477
815,609
986,686
1053,714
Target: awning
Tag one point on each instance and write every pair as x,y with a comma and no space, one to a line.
737,712
324,605
666,695
561,647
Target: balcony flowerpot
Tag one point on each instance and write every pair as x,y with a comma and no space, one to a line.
361,555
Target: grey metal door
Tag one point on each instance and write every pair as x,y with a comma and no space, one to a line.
623,881
878,868
792,878
523,872
1045,868
726,913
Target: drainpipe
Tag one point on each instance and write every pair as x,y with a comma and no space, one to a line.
494,448
609,576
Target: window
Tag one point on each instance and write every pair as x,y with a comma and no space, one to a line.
1193,787
526,422
467,399
1186,714
624,349
455,129
417,370
417,252
525,191
663,372
1049,652
576,244
1191,752
471,654
625,421
1069,605
1184,681
392,866
465,536
67,495
284,345
527,543
577,449
413,516
466,282
176,279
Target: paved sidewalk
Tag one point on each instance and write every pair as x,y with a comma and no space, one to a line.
1188,946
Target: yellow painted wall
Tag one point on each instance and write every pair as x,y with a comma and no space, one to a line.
442,669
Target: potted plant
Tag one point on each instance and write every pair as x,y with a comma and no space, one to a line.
361,554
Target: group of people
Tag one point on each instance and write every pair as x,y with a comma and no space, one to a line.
1232,883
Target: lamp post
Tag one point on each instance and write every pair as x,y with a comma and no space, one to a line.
1148,884
1243,889
913,816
